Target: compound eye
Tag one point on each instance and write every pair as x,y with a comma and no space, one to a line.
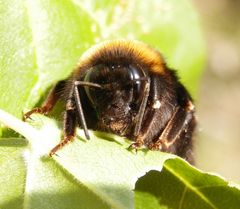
138,78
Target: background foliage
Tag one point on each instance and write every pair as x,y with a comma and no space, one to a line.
219,117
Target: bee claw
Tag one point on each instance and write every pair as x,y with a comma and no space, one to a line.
55,154
134,146
27,117
30,118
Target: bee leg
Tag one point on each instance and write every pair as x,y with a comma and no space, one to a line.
176,137
73,113
49,103
138,137
69,126
139,119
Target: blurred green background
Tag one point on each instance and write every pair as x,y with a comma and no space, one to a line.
218,105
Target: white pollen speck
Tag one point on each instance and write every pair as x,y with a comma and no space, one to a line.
191,106
156,104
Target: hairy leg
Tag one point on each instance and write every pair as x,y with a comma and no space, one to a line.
49,103
69,127
176,138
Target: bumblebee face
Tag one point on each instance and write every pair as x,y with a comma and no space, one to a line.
117,101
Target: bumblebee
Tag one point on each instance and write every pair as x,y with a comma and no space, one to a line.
125,87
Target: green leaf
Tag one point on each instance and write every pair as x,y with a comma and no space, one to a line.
28,181
99,165
182,186
100,173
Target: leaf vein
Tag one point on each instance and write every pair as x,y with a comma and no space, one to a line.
188,185
182,197
37,85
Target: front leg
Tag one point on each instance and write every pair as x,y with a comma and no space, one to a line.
152,121
69,126
49,103
176,138
73,114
